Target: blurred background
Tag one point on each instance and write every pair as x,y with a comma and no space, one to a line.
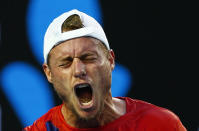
153,42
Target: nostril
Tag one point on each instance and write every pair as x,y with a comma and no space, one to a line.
80,74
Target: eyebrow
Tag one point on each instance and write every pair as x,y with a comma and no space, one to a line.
90,53
85,54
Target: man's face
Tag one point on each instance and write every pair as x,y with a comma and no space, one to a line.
81,75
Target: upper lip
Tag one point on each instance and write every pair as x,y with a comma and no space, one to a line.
76,85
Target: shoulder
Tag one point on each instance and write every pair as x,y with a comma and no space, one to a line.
156,117
152,116
148,109
159,114
39,124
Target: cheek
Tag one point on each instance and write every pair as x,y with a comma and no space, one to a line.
61,85
61,77
106,78
102,77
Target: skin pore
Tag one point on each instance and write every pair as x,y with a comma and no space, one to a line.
79,61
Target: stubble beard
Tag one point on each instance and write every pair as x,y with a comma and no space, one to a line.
69,102
82,122
66,101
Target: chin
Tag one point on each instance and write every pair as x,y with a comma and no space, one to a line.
88,114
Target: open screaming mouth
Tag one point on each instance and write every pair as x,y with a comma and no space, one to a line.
84,93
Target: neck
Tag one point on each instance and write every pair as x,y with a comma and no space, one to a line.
113,108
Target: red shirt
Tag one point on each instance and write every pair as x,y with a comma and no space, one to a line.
140,116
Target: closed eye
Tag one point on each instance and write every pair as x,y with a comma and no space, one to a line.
66,62
88,57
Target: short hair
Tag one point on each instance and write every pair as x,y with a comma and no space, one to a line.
74,22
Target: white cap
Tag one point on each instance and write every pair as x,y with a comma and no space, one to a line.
55,36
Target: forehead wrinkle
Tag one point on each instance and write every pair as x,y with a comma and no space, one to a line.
89,45
72,47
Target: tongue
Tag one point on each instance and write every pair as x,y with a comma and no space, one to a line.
85,97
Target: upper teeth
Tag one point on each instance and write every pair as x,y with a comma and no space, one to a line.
82,86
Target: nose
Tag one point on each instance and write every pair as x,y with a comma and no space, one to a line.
79,68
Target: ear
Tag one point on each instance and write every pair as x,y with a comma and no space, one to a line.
47,71
112,59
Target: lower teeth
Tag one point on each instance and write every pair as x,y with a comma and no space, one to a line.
87,103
